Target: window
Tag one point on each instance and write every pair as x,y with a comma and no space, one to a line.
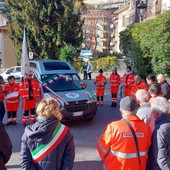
18,69
33,65
11,70
55,66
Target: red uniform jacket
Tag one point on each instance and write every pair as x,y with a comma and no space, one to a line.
128,82
136,87
100,82
114,83
117,147
12,104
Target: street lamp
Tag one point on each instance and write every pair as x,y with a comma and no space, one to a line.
141,8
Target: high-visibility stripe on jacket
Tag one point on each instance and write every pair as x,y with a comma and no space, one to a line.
24,89
12,104
128,81
44,149
114,83
100,82
136,87
117,147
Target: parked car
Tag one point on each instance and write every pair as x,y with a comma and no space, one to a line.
61,81
12,71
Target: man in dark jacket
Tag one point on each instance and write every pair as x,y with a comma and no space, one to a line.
159,152
5,147
165,87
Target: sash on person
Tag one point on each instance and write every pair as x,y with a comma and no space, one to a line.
44,149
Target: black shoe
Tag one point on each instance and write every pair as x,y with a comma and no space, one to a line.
14,123
9,123
112,105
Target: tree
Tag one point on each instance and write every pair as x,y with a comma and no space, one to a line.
51,24
147,45
67,53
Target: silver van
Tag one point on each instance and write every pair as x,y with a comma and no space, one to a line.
61,81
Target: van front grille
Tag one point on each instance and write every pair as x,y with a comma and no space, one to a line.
77,106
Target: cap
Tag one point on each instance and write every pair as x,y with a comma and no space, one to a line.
128,104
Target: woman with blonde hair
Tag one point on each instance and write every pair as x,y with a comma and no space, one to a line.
47,144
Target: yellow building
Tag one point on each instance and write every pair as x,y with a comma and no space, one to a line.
7,50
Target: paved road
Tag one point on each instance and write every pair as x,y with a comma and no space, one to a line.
85,135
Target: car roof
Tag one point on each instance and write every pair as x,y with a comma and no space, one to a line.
52,66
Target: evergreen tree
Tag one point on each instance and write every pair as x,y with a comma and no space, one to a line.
51,24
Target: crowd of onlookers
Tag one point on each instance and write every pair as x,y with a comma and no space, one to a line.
139,141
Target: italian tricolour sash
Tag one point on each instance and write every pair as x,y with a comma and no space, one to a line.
44,149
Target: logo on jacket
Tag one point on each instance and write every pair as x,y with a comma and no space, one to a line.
130,135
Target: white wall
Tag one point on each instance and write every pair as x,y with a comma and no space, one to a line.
165,5
3,20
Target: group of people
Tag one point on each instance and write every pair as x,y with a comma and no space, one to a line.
129,85
87,70
139,141
28,89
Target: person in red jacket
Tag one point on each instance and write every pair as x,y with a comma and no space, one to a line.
117,146
2,107
100,82
128,81
139,84
114,86
11,90
30,92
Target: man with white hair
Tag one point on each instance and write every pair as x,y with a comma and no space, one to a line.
165,87
159,152
89,69
144,111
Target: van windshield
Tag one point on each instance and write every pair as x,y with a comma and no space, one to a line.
62,82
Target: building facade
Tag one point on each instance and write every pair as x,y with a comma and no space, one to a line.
7,50
98,29
135,11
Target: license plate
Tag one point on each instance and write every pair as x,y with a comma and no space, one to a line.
77,113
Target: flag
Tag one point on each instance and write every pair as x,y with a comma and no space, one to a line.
56,78
45,85
24,57
51,81
62,76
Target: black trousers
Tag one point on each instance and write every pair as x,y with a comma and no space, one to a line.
85,75
89,74
12,114
26,112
